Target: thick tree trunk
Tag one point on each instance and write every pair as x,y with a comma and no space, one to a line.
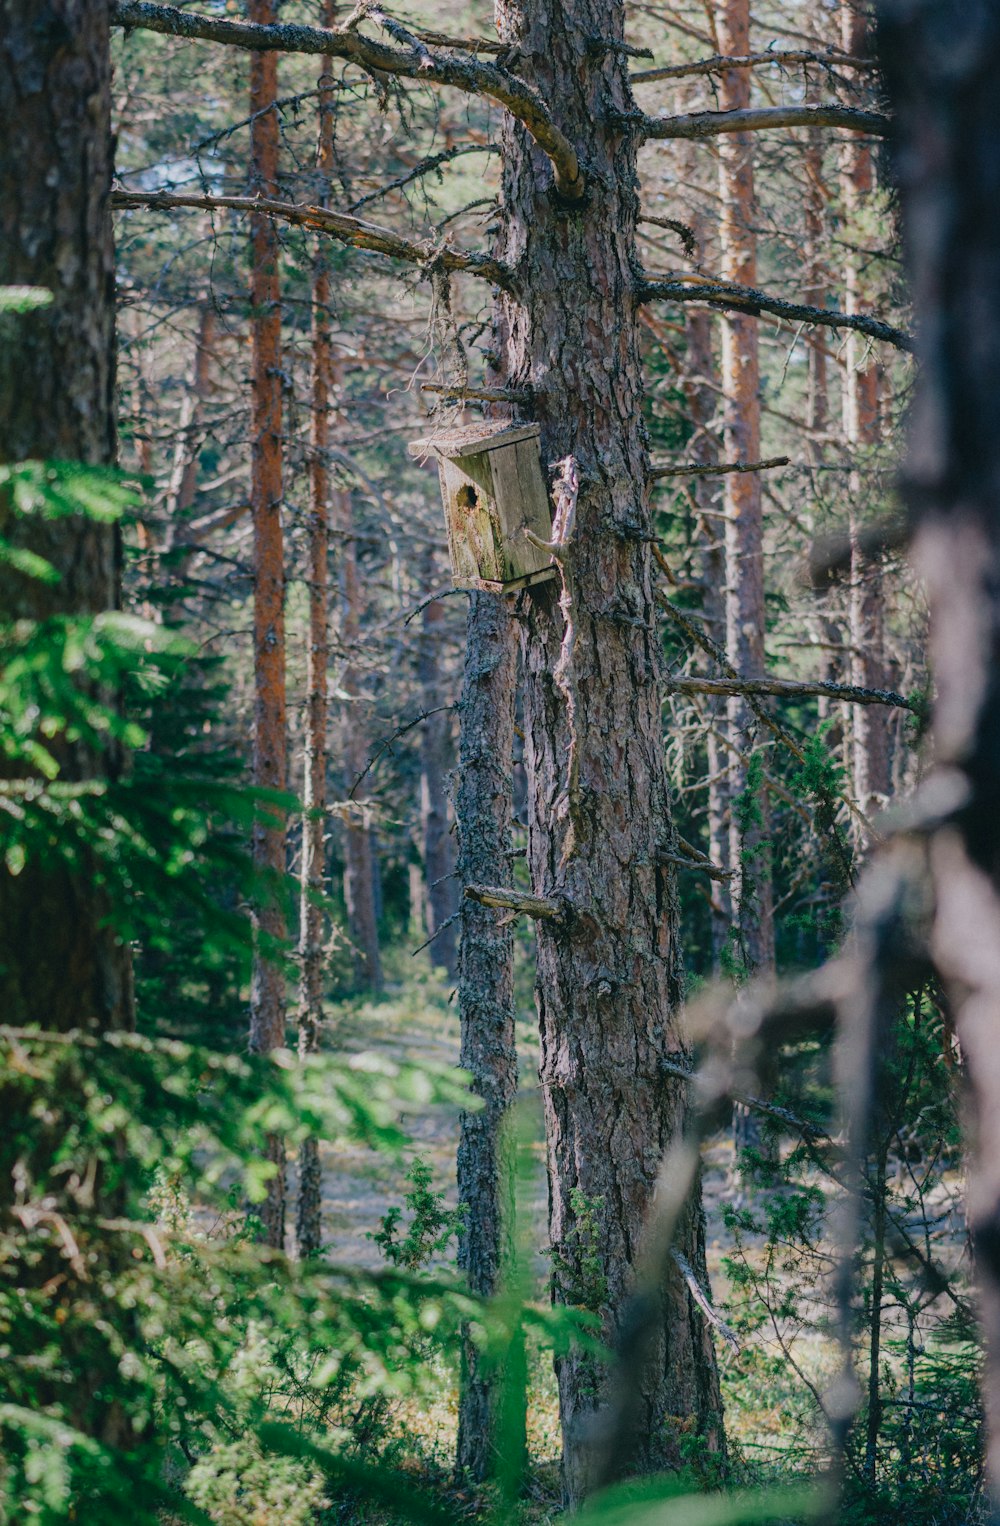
267,996
609,974
360,870
870,766
441,885
312,963
485,995
942,61
745,615
61,965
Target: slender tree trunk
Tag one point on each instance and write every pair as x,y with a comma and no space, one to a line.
701,401
184,470
485,996
61,965
870,766
267,996
441,886
745,613
609,973
941,63
360,869
308,1222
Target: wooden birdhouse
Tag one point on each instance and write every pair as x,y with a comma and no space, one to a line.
494,491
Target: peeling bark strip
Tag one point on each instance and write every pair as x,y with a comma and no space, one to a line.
267,990
608,977
485,996
56,402
941,61
415,61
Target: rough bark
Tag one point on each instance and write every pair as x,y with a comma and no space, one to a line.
360,870
609,975
485,994
440,882
942,60
869,731
312,922
267,995
61,965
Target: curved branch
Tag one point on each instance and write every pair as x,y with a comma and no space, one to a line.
709,124
461,71
746,299
347,230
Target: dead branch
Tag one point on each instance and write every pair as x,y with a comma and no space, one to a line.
746,299
789,688
718,64
709,124
347,230
718,468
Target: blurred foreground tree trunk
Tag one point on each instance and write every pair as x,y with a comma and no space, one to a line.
942,61
61,965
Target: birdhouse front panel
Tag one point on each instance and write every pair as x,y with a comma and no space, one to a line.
493,491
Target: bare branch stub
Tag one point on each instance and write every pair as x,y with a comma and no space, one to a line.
541,908
710,124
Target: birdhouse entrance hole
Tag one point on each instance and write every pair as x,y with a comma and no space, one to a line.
494,492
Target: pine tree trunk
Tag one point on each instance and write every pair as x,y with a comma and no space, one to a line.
869,734
441,886
312,964
485,995
184,471
360,870
701,403
267,995
609,975
61,965
745,614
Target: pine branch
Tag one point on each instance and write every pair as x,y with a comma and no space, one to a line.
788,688
719,64
746,299
412,61
347,230
718,469
709,124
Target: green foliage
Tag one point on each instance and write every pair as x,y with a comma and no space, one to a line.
577,1267
431,1228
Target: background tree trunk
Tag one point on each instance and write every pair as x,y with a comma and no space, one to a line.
312,964
441,886
745,611
267,995
609,976
360,869
56,403
485,995
871,774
